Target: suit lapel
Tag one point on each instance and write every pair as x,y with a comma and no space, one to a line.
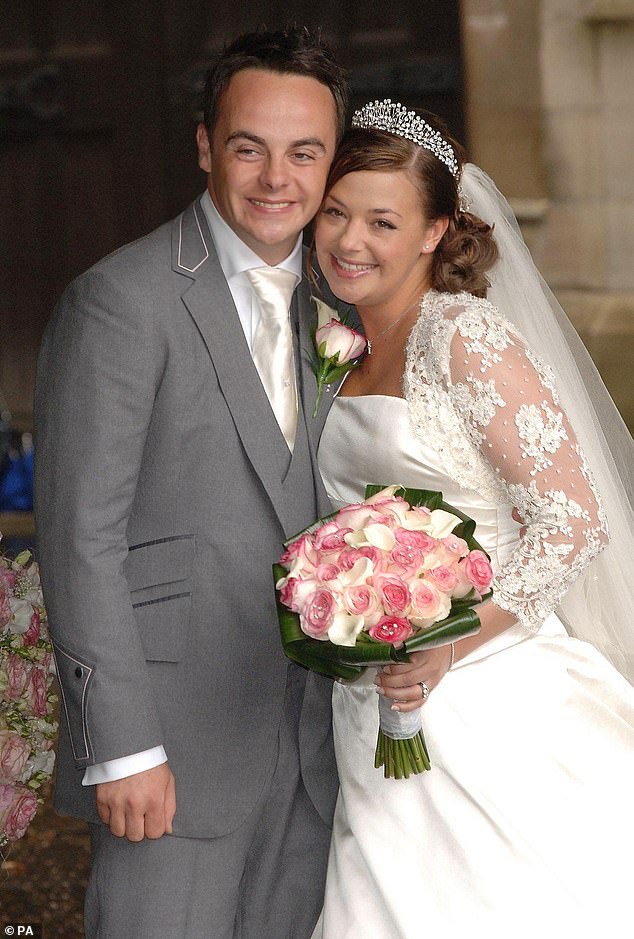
211,306
306,375
307,312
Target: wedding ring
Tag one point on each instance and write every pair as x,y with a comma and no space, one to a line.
424,687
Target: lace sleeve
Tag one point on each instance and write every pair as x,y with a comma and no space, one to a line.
507,401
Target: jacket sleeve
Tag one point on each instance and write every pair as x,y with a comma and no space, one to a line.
98,373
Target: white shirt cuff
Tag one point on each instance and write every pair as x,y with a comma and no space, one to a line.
124,766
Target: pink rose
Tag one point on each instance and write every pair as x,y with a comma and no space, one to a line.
8,579
318,612
415,539
330,537
18,677
14,752
328,528
336,340
300,555
391,629
383,495
357,516
386,498
444,578
326,572
456,547
301,558
5,608
478,570
410,559
35,691
287,593
393,593
361,601
395,510
48,663
429,605
451,549
293,550
349,557
17,807
32,635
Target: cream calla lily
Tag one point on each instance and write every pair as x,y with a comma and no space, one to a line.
360,571
356,539
383,494
345,628
380,536
441,523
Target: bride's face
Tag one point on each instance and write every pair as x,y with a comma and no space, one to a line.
373,242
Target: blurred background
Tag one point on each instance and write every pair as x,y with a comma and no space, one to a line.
98,107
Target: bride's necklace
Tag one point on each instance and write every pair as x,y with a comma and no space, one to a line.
371,342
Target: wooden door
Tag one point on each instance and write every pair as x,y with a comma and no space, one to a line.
407,49
98,108
80,158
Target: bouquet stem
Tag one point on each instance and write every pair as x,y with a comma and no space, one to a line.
400,758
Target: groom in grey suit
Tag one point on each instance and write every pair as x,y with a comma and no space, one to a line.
165,487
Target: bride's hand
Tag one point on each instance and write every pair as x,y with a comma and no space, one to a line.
403,683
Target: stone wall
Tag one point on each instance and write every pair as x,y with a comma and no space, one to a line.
550,113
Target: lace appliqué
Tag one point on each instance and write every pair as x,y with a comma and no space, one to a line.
545,373
541,432
464,418
435,406
484,401
487,339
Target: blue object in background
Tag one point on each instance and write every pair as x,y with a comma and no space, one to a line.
16,482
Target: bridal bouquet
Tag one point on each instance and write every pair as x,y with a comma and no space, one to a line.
374,582
27,724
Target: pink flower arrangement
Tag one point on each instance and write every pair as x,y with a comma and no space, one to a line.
27,724
378,560
372,583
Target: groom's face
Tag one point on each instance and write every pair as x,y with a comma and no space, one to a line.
268,157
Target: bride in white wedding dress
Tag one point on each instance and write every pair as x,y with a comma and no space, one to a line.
524,825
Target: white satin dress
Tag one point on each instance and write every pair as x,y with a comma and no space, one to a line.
524,827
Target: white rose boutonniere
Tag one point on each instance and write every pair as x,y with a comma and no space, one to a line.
338,348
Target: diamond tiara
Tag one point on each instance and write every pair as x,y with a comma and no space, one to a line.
394,118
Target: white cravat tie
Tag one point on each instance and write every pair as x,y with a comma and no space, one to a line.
273,344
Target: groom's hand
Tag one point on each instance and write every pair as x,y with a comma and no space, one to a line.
139,806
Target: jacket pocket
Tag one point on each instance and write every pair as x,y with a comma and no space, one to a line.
75,676
159,577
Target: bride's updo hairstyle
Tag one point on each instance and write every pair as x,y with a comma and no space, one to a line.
467,250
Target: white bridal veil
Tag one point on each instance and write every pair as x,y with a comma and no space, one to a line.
600,605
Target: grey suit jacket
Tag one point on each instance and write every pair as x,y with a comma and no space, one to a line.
163,494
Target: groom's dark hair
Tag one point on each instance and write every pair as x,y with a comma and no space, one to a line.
291,51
